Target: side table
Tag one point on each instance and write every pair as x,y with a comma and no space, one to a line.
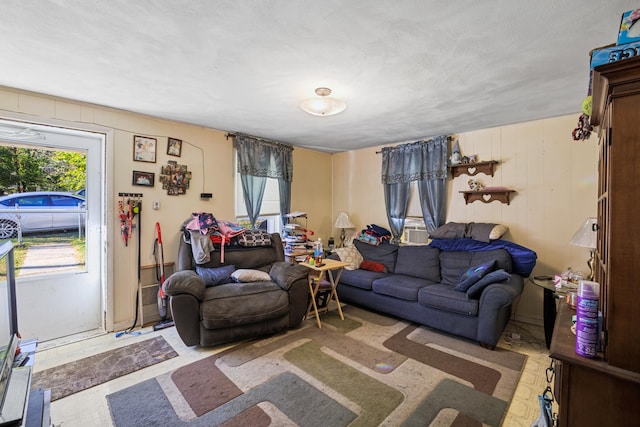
332,269
551,294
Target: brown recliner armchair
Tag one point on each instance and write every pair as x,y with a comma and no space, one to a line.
228,312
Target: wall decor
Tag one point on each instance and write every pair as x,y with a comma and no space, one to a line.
175,178
174,147
144,149
146,179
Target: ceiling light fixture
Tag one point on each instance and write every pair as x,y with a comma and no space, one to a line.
323,105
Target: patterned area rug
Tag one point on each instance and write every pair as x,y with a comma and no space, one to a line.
82,374
366,370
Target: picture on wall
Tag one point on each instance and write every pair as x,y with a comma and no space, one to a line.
174,147
146,179
144,149
175,178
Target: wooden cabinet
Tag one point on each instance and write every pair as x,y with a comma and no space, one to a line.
606,390
590,392
616,97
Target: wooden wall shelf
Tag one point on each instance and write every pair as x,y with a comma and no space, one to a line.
471,169
488,195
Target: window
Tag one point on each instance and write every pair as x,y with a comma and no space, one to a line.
415,232
270,208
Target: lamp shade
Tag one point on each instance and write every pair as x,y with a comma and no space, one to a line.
586,234
343,221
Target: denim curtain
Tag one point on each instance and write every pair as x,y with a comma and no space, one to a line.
284,188
396,200
422,161
259,159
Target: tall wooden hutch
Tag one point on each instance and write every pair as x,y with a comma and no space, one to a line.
606,390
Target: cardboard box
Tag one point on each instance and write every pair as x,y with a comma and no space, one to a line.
629,27
607,55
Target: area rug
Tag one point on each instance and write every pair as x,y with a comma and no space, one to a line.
82,374
366,370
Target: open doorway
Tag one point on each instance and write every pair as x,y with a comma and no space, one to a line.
51,207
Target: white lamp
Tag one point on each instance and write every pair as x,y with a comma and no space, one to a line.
586,238
323,105
343,221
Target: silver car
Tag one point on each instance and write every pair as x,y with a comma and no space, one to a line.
40,221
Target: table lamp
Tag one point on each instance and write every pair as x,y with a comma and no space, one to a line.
586,238
343,221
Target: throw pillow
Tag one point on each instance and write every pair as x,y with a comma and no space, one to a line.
472,275
451,230
351,255
494,277
216,276
498,231
244,275
373,266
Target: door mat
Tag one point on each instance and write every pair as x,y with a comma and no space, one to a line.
366,370
91,371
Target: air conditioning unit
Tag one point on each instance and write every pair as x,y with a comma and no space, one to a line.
416,236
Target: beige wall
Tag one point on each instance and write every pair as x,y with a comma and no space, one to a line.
555,180
208,155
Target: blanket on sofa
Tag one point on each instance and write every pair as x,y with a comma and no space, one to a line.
524,259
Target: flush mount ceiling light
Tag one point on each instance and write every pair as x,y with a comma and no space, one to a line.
323,105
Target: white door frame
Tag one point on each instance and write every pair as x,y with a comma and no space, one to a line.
106,187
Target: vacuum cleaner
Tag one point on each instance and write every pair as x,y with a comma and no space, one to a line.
162,297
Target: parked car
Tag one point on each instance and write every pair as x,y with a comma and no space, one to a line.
39,221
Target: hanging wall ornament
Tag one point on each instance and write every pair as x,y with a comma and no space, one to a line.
175,178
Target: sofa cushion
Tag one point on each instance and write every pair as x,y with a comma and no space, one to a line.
384,253
351,255
443,297
400,286
450,230
473,274
360,278
453,264
236,304
419,261
494,277
250,275
216,276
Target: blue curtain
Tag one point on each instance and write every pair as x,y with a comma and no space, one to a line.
284,187
422,161
253,190
396,200
259,159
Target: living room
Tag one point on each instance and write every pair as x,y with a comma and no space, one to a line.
554,179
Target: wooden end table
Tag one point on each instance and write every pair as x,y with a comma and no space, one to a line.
332,269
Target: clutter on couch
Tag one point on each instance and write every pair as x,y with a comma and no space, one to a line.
248,293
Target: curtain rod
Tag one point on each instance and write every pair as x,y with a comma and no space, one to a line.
271,141
449,139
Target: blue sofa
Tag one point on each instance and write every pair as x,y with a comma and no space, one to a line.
418,283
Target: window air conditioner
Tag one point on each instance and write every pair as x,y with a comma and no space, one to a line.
416,236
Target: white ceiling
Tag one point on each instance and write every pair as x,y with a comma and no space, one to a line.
407,69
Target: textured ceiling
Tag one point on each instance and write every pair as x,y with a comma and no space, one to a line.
407,69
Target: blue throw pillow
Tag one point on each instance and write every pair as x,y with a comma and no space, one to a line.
494,277
474,274
216,276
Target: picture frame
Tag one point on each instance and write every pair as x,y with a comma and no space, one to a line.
174,147
144,149
145,179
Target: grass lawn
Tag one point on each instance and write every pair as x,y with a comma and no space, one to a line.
20,252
